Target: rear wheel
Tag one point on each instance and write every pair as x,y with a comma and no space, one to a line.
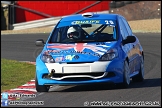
140,76
41,88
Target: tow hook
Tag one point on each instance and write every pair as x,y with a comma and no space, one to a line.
51,74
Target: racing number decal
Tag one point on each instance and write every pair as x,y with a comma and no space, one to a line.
109,22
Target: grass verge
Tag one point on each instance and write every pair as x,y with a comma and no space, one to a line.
15,73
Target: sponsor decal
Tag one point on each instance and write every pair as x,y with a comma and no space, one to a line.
69,57
59,59
76,57
86,22
70,52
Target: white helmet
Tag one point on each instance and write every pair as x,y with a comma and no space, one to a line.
72,33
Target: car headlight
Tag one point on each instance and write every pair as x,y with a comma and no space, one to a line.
110,55
47,58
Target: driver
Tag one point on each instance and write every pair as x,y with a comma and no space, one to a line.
73,33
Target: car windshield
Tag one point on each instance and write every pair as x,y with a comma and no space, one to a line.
84,31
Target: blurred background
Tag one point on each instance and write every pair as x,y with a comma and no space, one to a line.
139,10
16,12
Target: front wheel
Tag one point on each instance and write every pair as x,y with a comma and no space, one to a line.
140,76
41,88
126,77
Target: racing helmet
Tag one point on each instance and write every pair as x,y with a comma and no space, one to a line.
73,32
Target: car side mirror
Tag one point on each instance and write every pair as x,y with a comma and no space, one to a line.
39,42
129,39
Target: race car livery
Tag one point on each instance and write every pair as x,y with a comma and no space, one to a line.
89,48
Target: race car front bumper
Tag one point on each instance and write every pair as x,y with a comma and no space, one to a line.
83,73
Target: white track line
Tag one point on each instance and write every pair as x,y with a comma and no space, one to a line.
34,90
28,85
32,80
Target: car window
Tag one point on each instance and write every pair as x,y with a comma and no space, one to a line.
85,31
127,26
123,29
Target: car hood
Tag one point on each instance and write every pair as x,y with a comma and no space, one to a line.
78,52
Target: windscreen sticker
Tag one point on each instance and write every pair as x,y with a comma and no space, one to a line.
94,21
86,22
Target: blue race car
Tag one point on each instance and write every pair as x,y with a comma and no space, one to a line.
89,48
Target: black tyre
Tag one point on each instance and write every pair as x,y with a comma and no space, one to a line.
140,76
41,88
126,78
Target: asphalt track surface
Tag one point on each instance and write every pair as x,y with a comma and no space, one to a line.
22,48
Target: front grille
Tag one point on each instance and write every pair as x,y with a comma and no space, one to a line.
77,79
58,75
96,74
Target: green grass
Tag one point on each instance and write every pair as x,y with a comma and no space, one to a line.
15,73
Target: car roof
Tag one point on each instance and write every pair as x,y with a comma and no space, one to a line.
95,16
